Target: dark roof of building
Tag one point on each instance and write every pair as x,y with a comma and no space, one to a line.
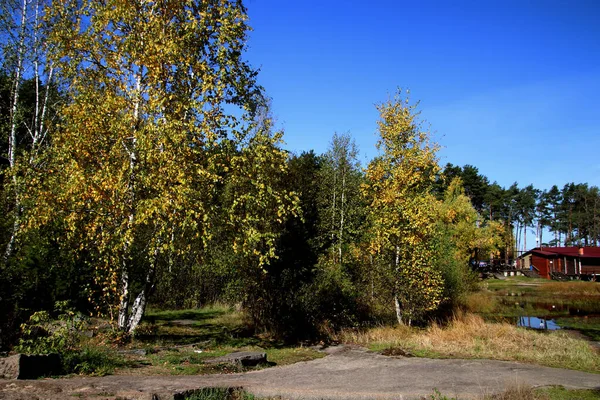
573,251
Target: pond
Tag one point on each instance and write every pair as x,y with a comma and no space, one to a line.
544,305
547,306
538,323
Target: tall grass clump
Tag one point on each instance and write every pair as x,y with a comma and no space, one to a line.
469,336
480,302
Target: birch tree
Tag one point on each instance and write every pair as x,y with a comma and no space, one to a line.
136,161
403,210
340,179
23,57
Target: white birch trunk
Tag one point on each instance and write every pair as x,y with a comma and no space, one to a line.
333,207
396,301
12,140
340,239
124,319
139,305
137,311
398,310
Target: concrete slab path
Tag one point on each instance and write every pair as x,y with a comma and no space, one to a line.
346,373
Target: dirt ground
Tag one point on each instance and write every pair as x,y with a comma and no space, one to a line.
346,373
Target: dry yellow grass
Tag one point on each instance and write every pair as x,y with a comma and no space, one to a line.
469,336
480,302
572,288
387,335
518,392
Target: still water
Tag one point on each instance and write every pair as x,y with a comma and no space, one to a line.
538,323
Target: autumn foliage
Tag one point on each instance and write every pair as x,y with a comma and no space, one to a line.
162,180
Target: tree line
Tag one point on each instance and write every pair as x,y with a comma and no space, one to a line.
568,214
141,166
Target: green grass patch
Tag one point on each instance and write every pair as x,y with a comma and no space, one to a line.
93,360
198,314
210,326
513,281
589,326
291,355
188,361
179,342
560,393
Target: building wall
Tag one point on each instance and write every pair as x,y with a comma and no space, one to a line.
541,264
571,270
526,262
590,266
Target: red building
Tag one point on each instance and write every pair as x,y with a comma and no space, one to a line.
568,260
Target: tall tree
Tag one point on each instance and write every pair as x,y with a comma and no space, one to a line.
526,200
403,209
553,197
463,236
476,186
136,160
566,214
340,179
24,58
543,215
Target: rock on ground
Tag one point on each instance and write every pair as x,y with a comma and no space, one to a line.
245,358
22,366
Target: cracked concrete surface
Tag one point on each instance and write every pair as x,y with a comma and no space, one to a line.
346,373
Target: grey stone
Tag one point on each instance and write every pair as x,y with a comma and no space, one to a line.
24,366
89,333
9,367
134,352
245,358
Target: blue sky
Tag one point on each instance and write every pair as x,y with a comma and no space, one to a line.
511,87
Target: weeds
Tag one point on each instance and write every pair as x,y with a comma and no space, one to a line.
216,394
96,361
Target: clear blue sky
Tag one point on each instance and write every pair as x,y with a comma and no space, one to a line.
511,87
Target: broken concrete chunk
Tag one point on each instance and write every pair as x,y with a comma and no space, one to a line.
245,358
24,366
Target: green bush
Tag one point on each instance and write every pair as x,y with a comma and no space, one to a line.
42,334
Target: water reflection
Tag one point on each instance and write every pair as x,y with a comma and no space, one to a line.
538,323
